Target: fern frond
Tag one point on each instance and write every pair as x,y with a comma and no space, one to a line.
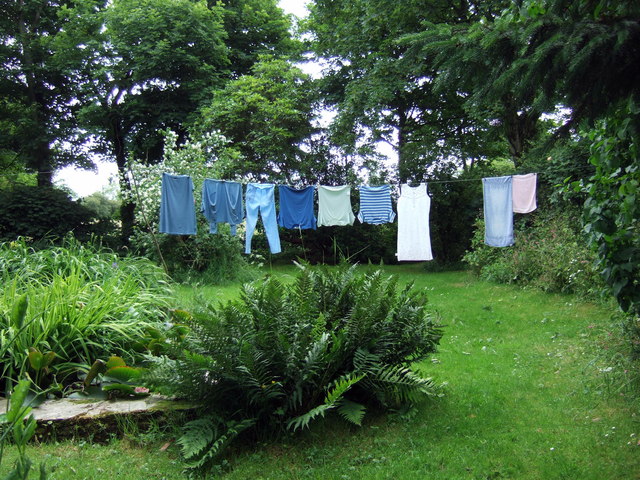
302,421
351,411
197,435
204,439
334,396
394,385
313,361
341,386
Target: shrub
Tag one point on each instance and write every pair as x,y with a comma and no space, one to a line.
79,303
549,254
209,258
283,355
46,213
203,258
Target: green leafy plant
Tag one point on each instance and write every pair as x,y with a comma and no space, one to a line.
549,253
286,354
612,210
46,213
21,428
112,379
83,304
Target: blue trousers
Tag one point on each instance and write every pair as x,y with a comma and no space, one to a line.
260,199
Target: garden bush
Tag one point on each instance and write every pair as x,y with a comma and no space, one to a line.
202,257
549,253
285,354
46,214
79,303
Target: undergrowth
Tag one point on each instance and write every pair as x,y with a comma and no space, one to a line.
80,304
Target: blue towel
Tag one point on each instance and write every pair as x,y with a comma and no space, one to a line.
375,205
498,211
296,208
177,208
222,203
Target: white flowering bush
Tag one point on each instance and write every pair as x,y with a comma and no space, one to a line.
214,257
205,157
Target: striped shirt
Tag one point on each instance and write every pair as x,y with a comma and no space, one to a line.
375,205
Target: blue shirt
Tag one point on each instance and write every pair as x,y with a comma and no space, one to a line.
296,208
375,205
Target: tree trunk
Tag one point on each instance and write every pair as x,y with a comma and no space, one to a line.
39,156
403,168
127,209
520,129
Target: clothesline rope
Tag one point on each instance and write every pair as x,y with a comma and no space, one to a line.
453,180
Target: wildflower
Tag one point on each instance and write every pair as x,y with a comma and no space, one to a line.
141,390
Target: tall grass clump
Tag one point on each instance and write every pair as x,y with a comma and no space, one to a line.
286,354
80,304
550,253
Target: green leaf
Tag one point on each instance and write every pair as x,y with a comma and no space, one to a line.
35,359
98,367
122,388
16,409
115,362
19,311
123,373
351,411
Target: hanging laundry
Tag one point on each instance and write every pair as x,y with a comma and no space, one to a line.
498,211
260,200
296,208
177,207
524,193
414,241
222,203
334,206
375,205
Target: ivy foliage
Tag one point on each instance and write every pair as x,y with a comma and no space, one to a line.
612,210
283,355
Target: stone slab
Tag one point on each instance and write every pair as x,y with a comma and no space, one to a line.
67,409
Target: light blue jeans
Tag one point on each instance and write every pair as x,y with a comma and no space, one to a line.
260,199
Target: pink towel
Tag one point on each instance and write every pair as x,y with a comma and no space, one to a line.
524,193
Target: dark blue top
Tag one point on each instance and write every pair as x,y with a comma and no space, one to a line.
222,203
296,208
177,208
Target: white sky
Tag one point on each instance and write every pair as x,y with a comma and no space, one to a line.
84,182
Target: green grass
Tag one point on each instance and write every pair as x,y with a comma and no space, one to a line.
530,394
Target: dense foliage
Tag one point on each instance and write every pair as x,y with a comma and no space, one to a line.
42,213
612,211
64,307
549,254
285,354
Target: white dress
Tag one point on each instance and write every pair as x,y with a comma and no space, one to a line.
414,242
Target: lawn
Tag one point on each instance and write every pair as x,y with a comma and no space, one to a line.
530,392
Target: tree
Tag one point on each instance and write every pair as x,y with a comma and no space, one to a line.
470,58
142,66
267,115
255,28
147,66
380,93
37,110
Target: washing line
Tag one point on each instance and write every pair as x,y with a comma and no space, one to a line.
453,180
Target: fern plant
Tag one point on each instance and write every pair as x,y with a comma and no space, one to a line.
334,340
